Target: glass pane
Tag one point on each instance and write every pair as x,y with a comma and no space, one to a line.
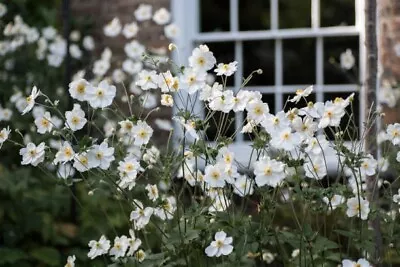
299,61
224,53
266,98
349,124
254,15
214,15
223,121
259,55
294,14
337,12
333,48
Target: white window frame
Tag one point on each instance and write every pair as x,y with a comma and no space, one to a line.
186,15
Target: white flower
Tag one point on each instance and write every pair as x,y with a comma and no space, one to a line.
171,31
147,80
44,123
166,81
65,153
221,245
152,192
315,167
316,145
167,209
192,80
398,156
75,118
98,248
100,67
143,12
165,125
286,140
70,261
356,207
215,175
226,69
118,76
243,186
368,165
88,43
134,49
3,9
81,162
65,170
274,124
128,171
49,32
32,154
162,16
396,197
331,116
257,110
132,67
142,133
75,51
202,59
222,101
113,28
78,88
4,134
347,60
141,216
359,263
305,126
269,172
393,133
120,247
30,100
334,202
134,243
101,96
5,114
300,93
140,255
101,156
130,30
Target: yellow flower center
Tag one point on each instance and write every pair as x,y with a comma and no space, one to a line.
268,171
81,88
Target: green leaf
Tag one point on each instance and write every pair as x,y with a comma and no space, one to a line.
11,256
47,255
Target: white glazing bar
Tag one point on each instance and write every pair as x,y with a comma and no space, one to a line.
278,75
234,15
274,4
319,58
345,88
315,14
275,34
360,24
239,117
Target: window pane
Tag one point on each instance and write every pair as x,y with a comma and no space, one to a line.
299,61
224,53
294,14
337,12
214,15
254,15
259,55
350,122
333,48
223,121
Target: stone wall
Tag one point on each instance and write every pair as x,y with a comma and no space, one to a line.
389,36
100,12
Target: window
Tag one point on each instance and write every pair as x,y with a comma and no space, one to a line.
291,41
